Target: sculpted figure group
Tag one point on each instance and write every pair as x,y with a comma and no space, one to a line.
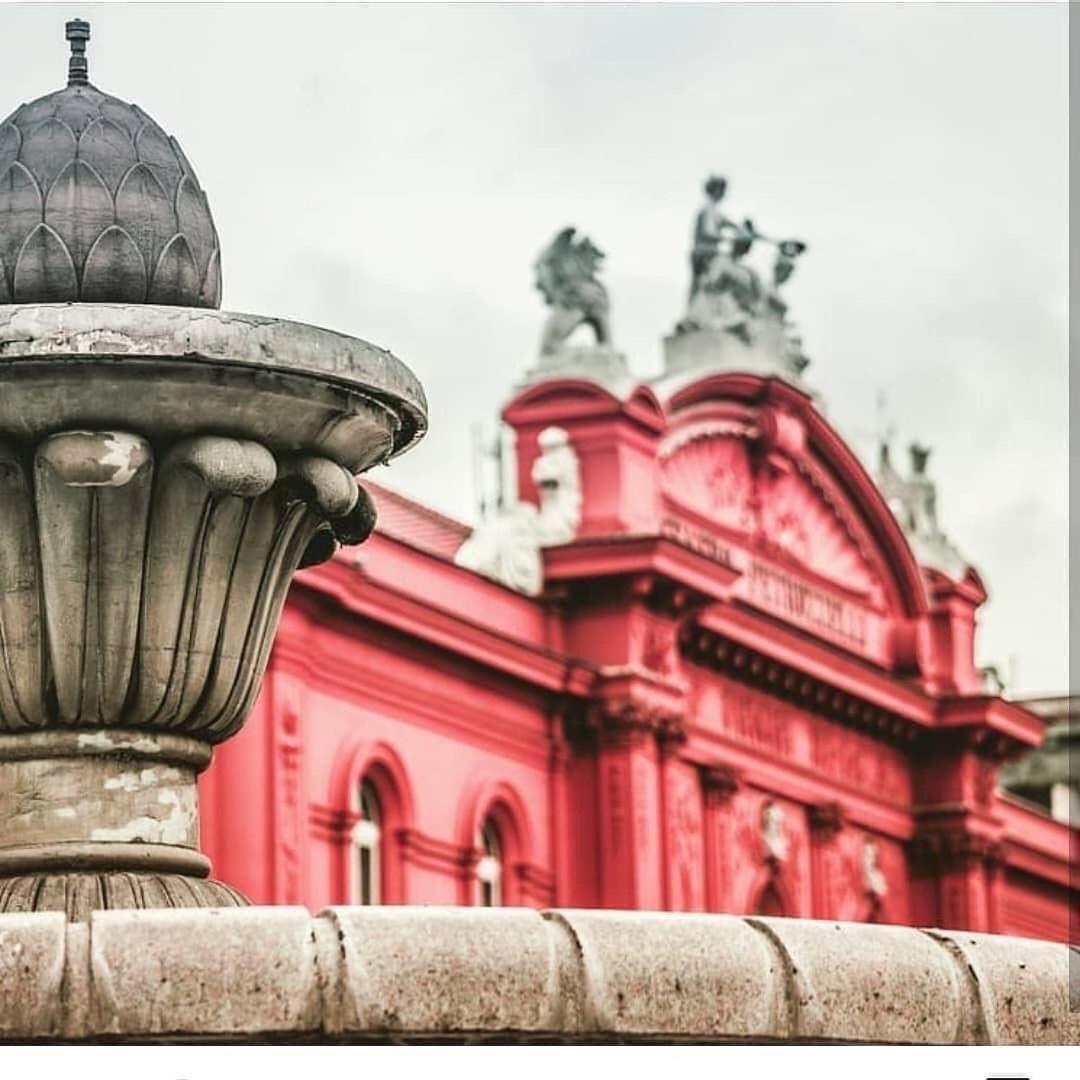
727,294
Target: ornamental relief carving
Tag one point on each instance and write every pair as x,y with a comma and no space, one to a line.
686,874
289,785
763,840
713,477
656,645
718,476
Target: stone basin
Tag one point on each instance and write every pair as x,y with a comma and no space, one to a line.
163,471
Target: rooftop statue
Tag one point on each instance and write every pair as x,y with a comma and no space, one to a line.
913,501
506,547
730,296
566,277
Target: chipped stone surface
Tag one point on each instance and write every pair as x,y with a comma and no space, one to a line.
712,975
438,969
903,989
97,798
457,974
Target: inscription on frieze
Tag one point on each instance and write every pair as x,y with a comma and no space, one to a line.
784,732
757,720
861,761
697,540
802,603
809,607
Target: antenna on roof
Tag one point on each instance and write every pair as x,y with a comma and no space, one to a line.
478,455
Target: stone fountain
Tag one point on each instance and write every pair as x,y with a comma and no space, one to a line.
164,468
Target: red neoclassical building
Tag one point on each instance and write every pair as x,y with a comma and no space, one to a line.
701,660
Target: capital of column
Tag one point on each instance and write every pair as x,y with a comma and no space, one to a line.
827,819
719,782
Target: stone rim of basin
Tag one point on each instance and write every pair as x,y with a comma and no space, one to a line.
201,350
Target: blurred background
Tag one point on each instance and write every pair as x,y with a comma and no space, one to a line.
392,171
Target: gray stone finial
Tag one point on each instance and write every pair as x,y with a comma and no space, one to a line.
77,31
101,204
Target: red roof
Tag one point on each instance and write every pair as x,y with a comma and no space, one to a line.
412,523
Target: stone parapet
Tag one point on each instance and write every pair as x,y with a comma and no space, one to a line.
398,974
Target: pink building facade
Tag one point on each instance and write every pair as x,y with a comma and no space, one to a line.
746,683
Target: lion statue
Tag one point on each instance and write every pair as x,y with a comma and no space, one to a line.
566,277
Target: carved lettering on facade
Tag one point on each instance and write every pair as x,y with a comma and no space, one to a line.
616,794
756,719
859,761
807,606
644,777
697,540
773,726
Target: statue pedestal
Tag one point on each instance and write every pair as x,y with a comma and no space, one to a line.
598,363
719,350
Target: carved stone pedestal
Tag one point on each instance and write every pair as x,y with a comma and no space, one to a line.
713,349
600,363
163,471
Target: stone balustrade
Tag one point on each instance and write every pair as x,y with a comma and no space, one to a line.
399,974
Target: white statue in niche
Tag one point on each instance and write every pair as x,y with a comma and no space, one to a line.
506,547
873,877
774,832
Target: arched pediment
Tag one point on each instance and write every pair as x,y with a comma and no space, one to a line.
755,460
768,500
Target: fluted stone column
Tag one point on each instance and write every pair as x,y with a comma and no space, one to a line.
163,471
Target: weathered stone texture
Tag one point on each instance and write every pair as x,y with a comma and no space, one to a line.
415,974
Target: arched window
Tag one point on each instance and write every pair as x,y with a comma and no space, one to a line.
489,868
368,854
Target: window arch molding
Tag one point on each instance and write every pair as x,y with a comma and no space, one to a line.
379,766
497,803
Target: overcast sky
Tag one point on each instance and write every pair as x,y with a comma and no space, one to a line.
391,171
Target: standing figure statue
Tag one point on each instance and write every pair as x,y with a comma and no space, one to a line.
711,226
566,277
725,292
